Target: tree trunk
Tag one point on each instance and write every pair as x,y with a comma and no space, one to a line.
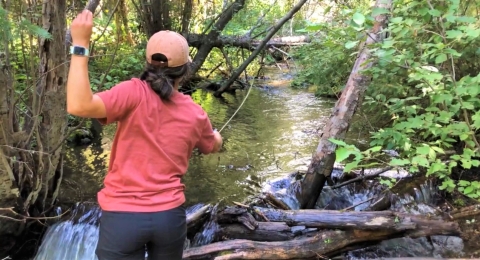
29,159
155,15
186,15
205,48
322,162
260,47
51,95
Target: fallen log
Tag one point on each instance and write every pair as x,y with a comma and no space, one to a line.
196,40
358,220
465,212
422,258
327,243
266,231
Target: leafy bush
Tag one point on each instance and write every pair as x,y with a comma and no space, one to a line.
427,81
326,62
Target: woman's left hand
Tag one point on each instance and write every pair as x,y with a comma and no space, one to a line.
81,29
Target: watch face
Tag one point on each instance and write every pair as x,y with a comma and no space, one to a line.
79,50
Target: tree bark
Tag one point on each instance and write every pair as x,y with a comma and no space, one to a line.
359,220
266,231
260,47
186,15
322,162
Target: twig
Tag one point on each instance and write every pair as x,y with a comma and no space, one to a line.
360,203
27,217
363,177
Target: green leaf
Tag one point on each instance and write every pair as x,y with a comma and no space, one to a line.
375,149
399,162
420,160
327,10
441,58
438,149
476,120
423,150
475,163
338,142
342,153
468,190
313,27
452,34
396,19
351,44
434,12
378,11
467,164
350,166
358,18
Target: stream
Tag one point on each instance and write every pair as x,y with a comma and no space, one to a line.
273,134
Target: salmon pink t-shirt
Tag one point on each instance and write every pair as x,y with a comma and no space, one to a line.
152,145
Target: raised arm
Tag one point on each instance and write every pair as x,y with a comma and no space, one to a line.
80,99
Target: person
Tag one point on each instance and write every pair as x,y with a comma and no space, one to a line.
158,128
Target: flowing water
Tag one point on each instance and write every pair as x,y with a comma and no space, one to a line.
273,134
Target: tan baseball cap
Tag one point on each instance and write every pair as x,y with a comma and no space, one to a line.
167,49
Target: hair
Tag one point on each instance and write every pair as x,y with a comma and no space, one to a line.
162,79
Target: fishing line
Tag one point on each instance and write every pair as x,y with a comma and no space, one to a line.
244,99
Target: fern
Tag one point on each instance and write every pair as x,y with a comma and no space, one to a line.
34,29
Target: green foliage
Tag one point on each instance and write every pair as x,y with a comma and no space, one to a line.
110,70
427,81
326,62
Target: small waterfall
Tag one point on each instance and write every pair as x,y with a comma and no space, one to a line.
76,238
208,231
421,202
285,188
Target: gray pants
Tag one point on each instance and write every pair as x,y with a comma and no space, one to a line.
128,235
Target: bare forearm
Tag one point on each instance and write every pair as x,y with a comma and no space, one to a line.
78,84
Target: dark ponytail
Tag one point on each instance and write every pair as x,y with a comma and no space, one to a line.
162,79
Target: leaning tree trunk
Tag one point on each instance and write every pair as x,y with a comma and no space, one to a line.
322,162
214,33
260,47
